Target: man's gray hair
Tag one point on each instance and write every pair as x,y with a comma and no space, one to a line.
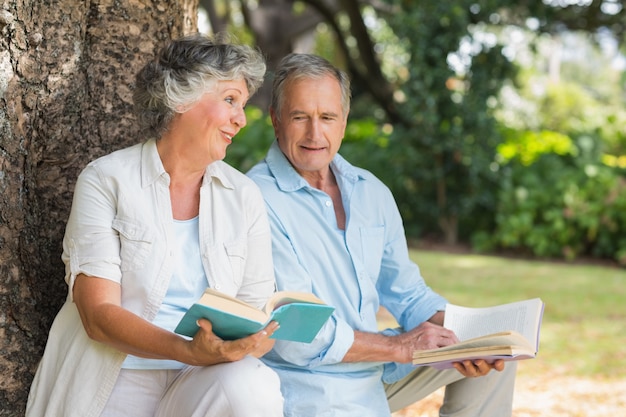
298,66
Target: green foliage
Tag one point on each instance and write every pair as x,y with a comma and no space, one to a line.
252,142
561,194
527,146
443,180
558,207
612,132
565,107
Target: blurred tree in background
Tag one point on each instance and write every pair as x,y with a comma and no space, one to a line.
449,99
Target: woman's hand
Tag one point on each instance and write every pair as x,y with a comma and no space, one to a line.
208,349
98,302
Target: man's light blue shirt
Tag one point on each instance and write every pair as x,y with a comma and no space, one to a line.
356,271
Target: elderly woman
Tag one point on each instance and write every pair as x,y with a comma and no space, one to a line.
151,226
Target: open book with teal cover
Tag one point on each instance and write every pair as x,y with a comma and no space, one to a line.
300,316
507,331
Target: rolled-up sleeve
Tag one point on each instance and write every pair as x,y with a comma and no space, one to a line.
91,245
329,346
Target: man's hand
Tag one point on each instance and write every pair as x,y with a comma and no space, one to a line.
425,336
479,367
374,347
469,368
400,348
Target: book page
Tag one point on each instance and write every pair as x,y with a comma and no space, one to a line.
521,316
508,338
281,298
232,305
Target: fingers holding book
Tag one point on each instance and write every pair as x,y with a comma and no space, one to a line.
430,336
208,349
478,367
265,344
423,337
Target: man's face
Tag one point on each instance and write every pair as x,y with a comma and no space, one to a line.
312,124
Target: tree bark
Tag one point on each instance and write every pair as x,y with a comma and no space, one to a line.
66,77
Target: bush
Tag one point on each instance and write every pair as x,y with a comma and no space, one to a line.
556,207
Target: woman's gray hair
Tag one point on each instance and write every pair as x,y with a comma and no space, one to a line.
298,66
184,70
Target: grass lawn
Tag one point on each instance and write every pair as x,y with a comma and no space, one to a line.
584,325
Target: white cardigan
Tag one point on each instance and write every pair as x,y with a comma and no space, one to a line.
121,228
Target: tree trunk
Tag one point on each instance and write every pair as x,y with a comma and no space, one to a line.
66,75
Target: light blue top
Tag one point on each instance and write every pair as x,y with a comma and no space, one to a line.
186,286
355,271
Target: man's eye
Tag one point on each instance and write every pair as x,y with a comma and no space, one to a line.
230,100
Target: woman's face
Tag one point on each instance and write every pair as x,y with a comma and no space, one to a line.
209,126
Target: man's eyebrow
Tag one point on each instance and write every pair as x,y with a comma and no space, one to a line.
330,114
304,113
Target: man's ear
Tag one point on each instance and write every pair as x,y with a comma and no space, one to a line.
274,118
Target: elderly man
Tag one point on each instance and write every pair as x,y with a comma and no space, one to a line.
337,232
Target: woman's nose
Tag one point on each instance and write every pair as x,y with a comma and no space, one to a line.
239,118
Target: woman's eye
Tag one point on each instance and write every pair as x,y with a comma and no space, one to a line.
230,100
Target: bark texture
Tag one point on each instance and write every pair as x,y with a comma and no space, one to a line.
66,77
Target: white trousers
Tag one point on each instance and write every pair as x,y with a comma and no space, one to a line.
246,388
486,396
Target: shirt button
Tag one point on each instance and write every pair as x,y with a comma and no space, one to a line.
328,203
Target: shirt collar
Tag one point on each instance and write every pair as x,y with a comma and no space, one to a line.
151,165
152,168
288,178
215,171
